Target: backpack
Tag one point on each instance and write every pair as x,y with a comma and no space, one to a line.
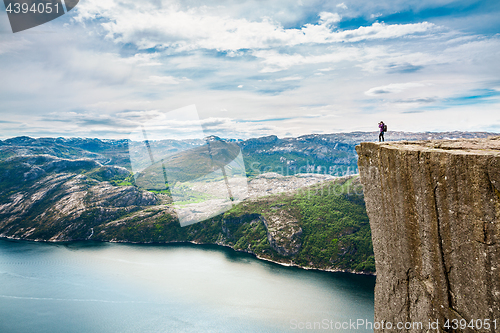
385,128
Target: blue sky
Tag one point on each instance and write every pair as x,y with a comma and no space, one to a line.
254,68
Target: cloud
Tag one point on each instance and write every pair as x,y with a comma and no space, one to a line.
341,5
158,80
12,45
384,31
9,122
393,88
118,62
403,68
477,96
215,122
144,59
289,78
413,111
89,119
138,115
201,28
329,19
424,100
274,61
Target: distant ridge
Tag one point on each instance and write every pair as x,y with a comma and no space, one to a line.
313,153
349,137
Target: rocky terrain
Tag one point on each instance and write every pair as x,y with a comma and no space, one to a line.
295,213
434,209
274,183
47,198
332,154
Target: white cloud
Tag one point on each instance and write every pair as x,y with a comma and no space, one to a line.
274,61
201,28
153,79
384,31
290,78
342,5
94,66
393,88
10,45
144,59
329,19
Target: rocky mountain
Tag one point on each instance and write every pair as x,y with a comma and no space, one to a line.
314,221
332,154
47,198
77,189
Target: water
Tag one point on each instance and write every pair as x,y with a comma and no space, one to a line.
101,287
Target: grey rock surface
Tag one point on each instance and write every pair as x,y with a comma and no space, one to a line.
434,209
47,200
283,233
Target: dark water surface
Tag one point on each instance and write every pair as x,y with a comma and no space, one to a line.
101,287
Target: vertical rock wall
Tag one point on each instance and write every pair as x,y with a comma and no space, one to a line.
434,209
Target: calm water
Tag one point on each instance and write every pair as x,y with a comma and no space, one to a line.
100,287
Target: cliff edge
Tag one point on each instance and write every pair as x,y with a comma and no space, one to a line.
434,210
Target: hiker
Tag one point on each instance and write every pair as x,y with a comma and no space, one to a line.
383,129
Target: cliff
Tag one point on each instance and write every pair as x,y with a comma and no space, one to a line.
434,210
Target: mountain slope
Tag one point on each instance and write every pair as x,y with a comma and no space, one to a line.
322,226
77,189
47,198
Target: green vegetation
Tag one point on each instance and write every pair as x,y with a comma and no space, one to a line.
324,226
122,178
335,229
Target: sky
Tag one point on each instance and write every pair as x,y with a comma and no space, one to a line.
253,68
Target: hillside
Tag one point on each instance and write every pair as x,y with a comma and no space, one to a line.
322,226
78,189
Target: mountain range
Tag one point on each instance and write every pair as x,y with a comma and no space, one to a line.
296,213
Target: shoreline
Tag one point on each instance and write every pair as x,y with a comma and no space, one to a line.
194,243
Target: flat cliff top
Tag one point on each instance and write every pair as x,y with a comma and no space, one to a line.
487,146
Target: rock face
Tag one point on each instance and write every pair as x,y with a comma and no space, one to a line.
283,233
434,209
48,198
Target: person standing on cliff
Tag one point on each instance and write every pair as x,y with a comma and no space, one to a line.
383,129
